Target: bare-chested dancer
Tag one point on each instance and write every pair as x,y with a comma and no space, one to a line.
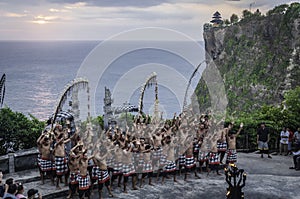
84,177
190,162
103,176
60,157
231,140
44,142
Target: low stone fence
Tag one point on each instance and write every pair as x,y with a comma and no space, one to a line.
19,161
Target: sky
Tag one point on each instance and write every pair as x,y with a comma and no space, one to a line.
101,19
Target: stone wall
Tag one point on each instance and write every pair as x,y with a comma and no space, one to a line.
21,160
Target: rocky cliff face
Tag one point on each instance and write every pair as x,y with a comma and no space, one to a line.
258,57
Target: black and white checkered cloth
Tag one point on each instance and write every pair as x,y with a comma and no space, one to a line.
103,176
213,158
73,178
126,108
181,160
84,182
231,156
189,161
128,169
45,164
60,165
222,146
170,166
203,156
117,168
147,167
156,154
95,172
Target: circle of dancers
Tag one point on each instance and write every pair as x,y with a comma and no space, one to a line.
143,152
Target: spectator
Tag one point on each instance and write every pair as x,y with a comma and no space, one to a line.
297,138
20,192
284,138
34,194
11,191
263,137
296,159
290,140
2,187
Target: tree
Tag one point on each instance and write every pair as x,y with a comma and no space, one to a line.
16,128
246,14
234,18
227,22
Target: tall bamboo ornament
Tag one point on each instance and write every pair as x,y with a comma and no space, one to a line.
2,89
69,89
149,81
188,86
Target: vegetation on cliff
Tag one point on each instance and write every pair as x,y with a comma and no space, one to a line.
258,57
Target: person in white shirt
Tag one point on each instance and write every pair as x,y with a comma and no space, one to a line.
284,139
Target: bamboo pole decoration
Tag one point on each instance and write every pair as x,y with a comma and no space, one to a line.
149,81
189,84
2,89
74,85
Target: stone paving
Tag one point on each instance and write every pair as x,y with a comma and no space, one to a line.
266,178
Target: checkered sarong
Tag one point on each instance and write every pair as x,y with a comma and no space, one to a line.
203,156
117,168
181,160
84,182
189,162
170,166
39,160
147,167
222,146
45,164
231,156
213,158
128,169
196,148
156,154
73,178
60,165
109,162
95,172
103,176
163,160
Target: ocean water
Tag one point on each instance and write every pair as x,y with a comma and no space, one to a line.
37,72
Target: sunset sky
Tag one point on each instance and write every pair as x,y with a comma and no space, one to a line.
100,19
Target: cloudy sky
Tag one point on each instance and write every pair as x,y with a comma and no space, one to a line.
100,19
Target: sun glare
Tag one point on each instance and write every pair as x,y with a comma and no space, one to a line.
41,22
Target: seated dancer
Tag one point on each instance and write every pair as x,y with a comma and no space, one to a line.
147,165
84,177
60,156
45,162
189,162
231,140
128,168
103,176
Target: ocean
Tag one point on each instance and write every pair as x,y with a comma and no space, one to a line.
37,72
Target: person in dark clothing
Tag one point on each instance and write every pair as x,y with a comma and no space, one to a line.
263,137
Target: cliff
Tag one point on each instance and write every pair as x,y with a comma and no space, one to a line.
258,58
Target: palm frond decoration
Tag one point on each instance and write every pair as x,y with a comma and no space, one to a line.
70,88
188,86
151,80
2,89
